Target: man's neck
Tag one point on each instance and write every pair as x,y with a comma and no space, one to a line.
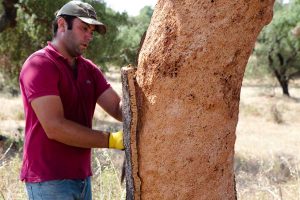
71,60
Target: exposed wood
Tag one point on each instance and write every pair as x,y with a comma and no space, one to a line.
188,82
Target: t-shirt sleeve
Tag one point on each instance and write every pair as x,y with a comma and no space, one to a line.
39,77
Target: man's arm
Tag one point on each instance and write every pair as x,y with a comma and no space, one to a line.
49,111
111,103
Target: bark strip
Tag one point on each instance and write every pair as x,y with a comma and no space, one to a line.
130,118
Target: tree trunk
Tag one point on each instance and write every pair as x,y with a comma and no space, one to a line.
283,81
187,92
8,17
285,87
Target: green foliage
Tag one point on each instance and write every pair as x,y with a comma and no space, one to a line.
130,35
105,49
34,25
34,19
256,69
278,48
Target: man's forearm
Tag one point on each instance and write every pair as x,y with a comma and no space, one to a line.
74,134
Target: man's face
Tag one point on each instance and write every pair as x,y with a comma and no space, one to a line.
78,38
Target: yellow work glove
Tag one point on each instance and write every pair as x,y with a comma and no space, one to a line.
116,140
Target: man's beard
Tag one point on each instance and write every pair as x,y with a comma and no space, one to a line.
74,51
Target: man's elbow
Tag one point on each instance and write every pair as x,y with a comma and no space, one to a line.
118,116
53,129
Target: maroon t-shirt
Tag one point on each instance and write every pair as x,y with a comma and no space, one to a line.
47,72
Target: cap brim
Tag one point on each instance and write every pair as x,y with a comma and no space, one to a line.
100,27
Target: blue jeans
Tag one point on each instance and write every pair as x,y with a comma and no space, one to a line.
67,189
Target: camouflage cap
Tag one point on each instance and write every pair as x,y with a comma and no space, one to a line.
85,12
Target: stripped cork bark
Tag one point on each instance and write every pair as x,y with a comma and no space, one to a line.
188,82
130,118
181,105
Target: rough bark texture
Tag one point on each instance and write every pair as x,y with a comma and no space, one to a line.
189,78
130,118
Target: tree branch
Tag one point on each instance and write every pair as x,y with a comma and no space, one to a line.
295,75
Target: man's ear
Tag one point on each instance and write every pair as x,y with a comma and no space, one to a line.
62,25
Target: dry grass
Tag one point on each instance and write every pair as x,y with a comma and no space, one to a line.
11,108
267,147
107,166
11,116
10,186
106,182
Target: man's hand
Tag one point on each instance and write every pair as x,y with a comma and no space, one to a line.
116,140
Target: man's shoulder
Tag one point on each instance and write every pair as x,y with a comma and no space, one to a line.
39,57
40,62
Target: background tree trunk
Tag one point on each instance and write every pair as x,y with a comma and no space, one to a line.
188,83
8,17
283,81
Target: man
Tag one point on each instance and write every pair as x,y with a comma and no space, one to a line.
60,90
